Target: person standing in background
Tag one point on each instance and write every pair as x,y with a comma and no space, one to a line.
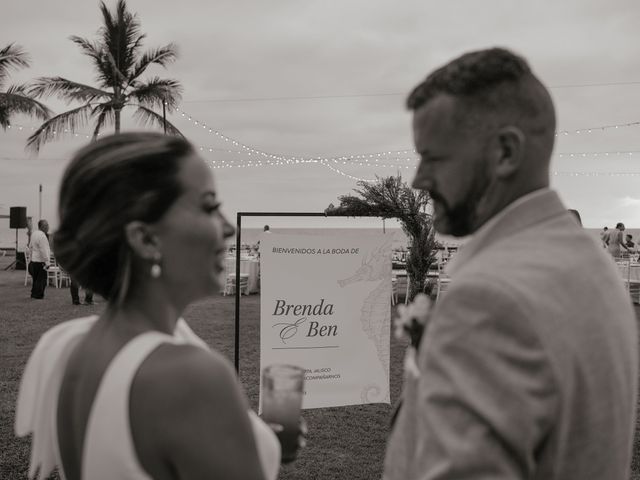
616,241
264,230
604,236
40,258
629,241
75,297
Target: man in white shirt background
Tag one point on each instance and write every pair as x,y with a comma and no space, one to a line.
40,258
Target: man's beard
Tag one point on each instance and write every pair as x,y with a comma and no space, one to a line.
462,219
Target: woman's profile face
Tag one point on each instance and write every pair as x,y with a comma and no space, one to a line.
192,235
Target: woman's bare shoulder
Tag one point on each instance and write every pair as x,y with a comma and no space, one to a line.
187,410
185,367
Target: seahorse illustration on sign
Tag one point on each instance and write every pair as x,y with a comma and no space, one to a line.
375,312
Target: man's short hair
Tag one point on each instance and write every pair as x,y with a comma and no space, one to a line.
42,223
488,81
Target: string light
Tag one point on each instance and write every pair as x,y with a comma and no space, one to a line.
578,131
376,155
598,154
597,174
357,157
602,128
248,149
233,141
200,124
34,128
340,172
365,159
332,165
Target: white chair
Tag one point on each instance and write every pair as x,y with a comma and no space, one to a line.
443,280
394,291
230,284
401,285
64,279
53,273
631,284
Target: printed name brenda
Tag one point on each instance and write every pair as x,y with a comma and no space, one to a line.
315,329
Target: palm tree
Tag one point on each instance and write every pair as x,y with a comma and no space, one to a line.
15,99
119,63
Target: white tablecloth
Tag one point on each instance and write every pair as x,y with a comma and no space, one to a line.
632,274
250,266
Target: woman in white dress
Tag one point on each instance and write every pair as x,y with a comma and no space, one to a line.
134,393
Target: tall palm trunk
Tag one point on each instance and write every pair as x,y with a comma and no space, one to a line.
118,104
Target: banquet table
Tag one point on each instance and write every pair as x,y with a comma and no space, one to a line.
631,271
250,266
402,280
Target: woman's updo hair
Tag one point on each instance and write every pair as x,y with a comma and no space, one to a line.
109,183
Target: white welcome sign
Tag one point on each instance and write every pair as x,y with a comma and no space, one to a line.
325,306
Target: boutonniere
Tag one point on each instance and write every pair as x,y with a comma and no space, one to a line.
412,319
410,324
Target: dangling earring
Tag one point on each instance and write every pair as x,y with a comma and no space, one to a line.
156,270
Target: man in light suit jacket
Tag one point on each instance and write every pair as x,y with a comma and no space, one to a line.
528,367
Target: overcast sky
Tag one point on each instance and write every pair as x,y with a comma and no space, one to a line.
319,78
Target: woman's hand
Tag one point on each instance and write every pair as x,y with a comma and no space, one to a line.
302,437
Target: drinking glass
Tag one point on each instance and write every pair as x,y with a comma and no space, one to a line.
282,391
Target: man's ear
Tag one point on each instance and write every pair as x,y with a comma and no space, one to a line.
142,240
510,151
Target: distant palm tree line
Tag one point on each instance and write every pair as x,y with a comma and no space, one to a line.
118,61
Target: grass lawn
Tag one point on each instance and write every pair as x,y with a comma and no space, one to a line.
343,443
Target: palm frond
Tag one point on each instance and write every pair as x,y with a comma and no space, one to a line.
105,117
104,72
134,40
116,74
15,100
156,91
135,48
66,90
12,56
4,118
130,34
96,52
121,36
58,126
161,56
145,116
93,50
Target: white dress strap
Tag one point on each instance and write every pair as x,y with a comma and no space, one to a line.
109,451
